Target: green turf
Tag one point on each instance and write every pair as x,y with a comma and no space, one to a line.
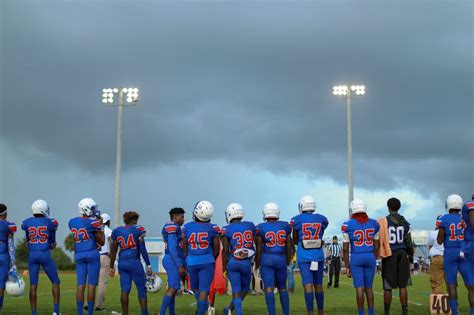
337,301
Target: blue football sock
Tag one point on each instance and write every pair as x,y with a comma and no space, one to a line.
145,312
309,300
270,300
285,302
472,310
167,300
80,307
90,308
56,308
238,305
1,302
360,311
320,300
34,312
171,306
371,311
203,305
454,306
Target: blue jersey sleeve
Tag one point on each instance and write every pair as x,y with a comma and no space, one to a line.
214,231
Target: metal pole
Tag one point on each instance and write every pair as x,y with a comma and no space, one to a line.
118,166
349,148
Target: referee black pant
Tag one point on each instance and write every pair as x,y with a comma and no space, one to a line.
334,269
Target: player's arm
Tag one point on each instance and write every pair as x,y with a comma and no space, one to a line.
471,218
11,251
113,254
144,253
225,252
99,237
288,249
216,247
345,253
259,249
295,237
185,245
440,237
173,248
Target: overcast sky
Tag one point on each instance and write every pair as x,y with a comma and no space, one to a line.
236,105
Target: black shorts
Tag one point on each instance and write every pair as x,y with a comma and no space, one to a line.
396,270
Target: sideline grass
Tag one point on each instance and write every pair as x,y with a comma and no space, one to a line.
337,301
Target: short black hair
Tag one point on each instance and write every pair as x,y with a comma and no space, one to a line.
176,211
334,237
3,208
394,204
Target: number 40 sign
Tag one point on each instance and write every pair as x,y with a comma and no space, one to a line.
439,304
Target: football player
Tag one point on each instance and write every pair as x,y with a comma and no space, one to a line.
201,245
7,250
174,260
361,233
274,252
451,234
396,250
238,243
131,240
40,232
468,248
308,231
88,234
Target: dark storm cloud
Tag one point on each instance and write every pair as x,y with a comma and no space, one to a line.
245,82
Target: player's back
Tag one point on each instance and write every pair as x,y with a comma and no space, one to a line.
310,228
398,228
6,228
468,232
453,227
274,235
172,228
83,229
39,232
240,235
361,235
199,237
128,238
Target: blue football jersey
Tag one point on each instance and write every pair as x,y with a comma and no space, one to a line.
309,226
6,229
83,229
240,236
176,229
274,235
40,232
453,227
468,233
199,236
360,235
128,238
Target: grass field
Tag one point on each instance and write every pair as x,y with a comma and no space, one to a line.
337,301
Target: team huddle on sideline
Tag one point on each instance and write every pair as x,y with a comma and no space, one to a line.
193,249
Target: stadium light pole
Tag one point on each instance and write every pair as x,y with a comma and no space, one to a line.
347,92
114,97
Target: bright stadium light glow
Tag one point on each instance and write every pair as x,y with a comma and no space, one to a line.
115,90
124,90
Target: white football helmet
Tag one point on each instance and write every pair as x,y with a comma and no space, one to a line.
88,207
454,202
153,283
234,211
271,211
307,204
203,210
40,207
358,206
15,286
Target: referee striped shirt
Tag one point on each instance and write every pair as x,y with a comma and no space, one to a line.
335,250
